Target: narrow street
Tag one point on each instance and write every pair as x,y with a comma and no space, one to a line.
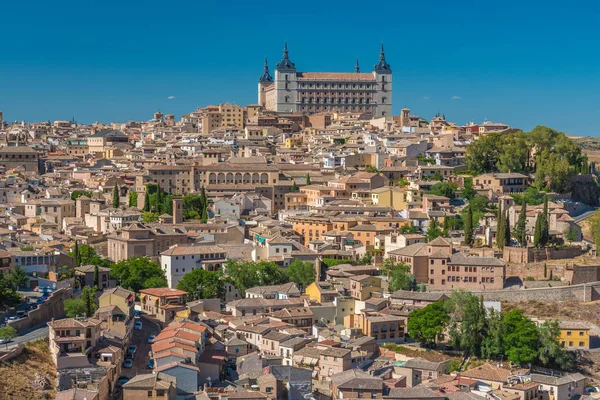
142,355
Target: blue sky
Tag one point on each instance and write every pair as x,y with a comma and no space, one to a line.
520,62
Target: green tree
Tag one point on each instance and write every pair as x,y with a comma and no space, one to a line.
408,229
202,284
433,231
332,262
468,191
116,200
8,295
428,323
96,276
500,228
595,227
520,228
402,182
204,217
18,278
479,205
75,194
537,233
570,234
138,273
308,179
491,343
88,295
76,256
506,229
468,321
372,169
399,276
446,189
244,275
8,332
87,255
302,273
531,196
520,337
149,217
545,233
294,186
468,225
146,201
551,353
133,196
75,307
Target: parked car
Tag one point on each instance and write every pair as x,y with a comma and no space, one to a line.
21,314
151,338
137,313
138,325
128,363
122,380
5,340
150,364
132,349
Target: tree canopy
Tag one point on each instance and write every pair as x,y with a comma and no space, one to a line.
244,275
138,273
202,284
550,154
446,189
301,272
428,323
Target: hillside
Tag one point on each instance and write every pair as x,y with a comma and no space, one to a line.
20,377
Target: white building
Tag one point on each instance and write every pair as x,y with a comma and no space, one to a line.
313,92
180,260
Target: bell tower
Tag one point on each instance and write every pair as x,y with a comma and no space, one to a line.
383,76
285,84
265,80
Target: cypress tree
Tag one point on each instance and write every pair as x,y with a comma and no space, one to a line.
76,255
545,270
506,230
544,233
294,187
158,200
538,231
308,179
468,228
96,276
116,199
520,233
500,228
147,201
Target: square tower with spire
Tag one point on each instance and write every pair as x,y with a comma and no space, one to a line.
315,92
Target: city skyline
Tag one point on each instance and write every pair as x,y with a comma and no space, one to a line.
466,62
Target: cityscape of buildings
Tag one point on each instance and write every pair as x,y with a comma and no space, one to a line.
310,246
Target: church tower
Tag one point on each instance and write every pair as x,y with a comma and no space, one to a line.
383,76
265,80
285,84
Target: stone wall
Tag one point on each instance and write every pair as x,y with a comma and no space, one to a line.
537,271
585,273
522,255
584,293
9,355
54,307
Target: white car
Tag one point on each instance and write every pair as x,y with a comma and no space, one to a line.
5,340
138,325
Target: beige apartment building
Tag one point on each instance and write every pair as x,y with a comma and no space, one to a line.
504,183
466,272
72,340
54,211
163,303
19,157
222,116
139,240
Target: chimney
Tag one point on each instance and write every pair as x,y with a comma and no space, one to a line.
177,210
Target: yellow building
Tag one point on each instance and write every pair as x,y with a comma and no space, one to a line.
363,286
119,297
321,292
574,335
389,196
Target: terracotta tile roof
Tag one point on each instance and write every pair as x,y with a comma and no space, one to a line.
489,372
163,292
